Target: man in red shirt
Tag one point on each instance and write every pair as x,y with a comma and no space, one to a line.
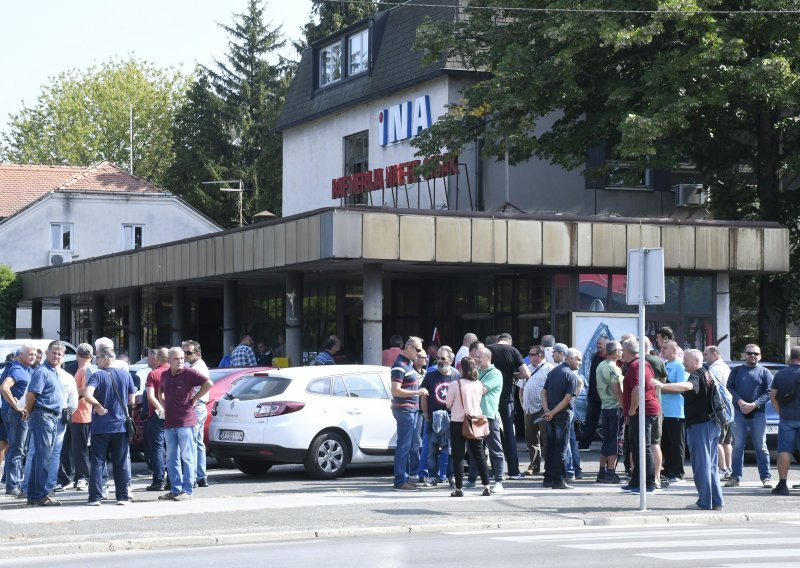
155,420
631,406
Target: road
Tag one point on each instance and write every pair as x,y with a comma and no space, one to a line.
689,545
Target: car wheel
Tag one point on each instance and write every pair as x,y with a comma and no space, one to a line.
327,457
252,467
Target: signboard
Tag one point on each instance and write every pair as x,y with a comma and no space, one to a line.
403,121
392,176
648,278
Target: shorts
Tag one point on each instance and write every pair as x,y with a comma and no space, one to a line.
655,436
612,421
726,435
788,436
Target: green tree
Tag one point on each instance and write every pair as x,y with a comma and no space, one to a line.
659,83
330,17
10,294
83,117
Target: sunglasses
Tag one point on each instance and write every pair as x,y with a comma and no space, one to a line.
752,354
442,359
189,352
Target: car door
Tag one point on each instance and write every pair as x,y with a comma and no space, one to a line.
366,408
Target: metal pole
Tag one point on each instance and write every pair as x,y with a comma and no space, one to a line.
130,167
642,465
241,193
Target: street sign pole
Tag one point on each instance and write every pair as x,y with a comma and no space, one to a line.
642,466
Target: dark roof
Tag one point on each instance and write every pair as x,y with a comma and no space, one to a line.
396,64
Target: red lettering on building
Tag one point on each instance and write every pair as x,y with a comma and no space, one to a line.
392,176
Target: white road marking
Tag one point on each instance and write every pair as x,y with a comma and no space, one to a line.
724,554
560,530
628,535
682,543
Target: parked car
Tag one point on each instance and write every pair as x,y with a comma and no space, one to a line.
773,419
323,417
69,362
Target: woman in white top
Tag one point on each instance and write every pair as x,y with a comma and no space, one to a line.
464,397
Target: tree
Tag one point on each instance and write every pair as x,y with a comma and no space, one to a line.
10,294
83,117
657,85
334,16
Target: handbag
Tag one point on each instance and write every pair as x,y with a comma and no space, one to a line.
474,427
130,425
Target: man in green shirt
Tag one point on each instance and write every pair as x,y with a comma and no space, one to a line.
609,388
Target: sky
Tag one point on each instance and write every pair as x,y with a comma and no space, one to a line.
40,39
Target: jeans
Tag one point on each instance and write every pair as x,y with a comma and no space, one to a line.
111,448
423,468
406,429
593,413
702,439
650,467
65,465
558,434
536,438
155,441
475,448
438,451
673,446
416,442
509,438
757,428
494,443
573,463
17,446
80,451
55,456
181,458
201,410
43,425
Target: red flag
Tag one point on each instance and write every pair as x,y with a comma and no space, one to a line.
436,337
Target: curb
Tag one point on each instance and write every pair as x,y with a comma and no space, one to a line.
115,545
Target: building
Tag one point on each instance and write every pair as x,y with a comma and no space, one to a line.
369,248
53,215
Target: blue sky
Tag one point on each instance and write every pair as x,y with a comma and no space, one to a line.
42,38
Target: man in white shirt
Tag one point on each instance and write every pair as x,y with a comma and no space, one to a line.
531,399
194,358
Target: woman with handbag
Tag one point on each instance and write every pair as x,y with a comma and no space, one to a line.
464,402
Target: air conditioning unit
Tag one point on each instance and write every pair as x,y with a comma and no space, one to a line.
58,258
690,195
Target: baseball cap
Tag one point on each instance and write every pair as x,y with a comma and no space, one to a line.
560,348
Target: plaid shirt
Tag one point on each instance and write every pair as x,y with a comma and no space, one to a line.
532,395
243,356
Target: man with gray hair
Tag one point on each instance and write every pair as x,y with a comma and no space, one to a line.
560,388
194,357
720,371
15,416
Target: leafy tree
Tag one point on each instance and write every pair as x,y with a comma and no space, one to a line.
333,16
10,294
83,117
657,83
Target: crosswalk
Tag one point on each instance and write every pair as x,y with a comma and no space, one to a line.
707,545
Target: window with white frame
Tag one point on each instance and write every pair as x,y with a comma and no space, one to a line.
60,236
358,52
132,236
330,63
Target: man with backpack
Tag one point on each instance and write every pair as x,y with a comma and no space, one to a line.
702,430
785,394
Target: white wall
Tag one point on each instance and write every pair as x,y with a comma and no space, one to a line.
97,220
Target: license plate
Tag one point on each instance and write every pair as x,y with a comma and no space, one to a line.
772,429
231,435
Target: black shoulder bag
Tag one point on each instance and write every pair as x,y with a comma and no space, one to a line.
130,425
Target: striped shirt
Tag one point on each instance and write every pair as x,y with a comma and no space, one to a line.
532,395
403,372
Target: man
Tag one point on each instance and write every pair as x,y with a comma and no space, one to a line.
331,347
560,387
13,391
243,355
508,360
702,433
108,391
155,419
609,389
194,357
594,404
573,463
492,380
548,341
720,371
108,343
535,424
463,351
749,385
81,419
264,356
673,428
416,468
632,406
436,415
43,402
405,406
660,372
787,381
389,356
280,349
177,392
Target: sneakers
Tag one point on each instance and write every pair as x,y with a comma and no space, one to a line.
58,489
781,489
127,501
516,477
674,480
601,477
531,471
579,475
724,474
451,482
562,485
570,476
457,493
469,484
628,488
182,496
81,485
487,492
170,496
14,492
498,488
695,507
47,502
155,487
404,487
612,477
732,482
766,483
105,492
637,491
93,503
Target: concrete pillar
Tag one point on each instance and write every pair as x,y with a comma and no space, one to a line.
294,318
230,301
36,319
373,314
178,315
724,314
135,324
65,318
98,318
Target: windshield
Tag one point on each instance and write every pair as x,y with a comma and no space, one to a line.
251,387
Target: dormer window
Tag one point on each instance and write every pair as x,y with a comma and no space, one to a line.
343,58
330,63
358,52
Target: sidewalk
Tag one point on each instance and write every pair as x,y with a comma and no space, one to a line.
287,505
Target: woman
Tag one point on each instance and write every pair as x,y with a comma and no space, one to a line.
464,397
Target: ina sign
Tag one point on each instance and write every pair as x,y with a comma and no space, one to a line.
404,121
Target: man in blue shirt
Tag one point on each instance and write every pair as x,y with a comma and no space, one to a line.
749,385
787,381
14,416
560,387
673,430
243,355
43,403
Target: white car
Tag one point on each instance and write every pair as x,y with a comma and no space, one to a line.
324,417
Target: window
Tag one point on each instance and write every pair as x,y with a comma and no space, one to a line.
60,236
358,52
330,63
356,160
320,386
132,236
365,386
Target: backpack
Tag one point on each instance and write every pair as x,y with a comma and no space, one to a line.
721,404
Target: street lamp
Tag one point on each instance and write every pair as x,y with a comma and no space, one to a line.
240,190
